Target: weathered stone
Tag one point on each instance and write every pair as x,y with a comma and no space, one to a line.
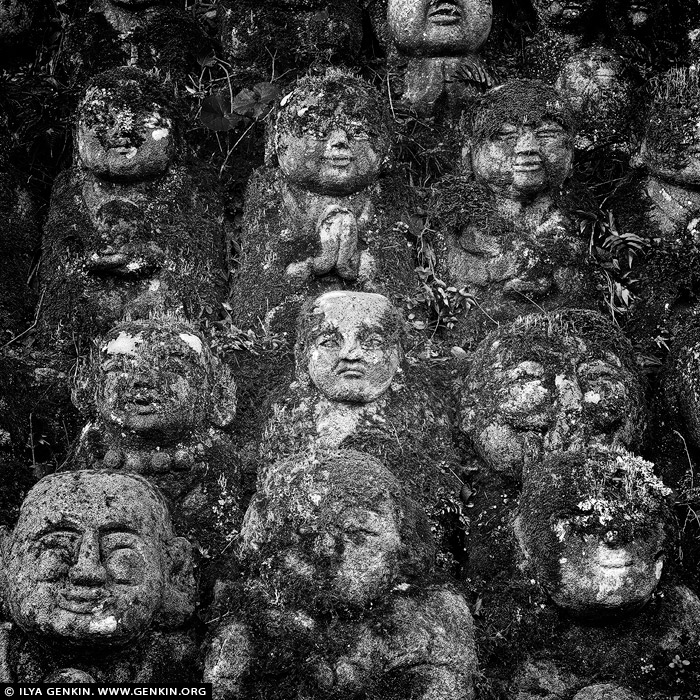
507,237
17,18
93,564
154,393
328,216
136,226
605,691
332,534
439,40
594,527
353,388
550,383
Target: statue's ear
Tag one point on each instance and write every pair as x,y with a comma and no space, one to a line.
180,595
466,156
5,544
84,387
224,397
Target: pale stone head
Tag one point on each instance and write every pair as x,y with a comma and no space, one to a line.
16,18
549,383
157,380
439,27
594,525
338,526
569,17
520,139
93,561
331,135
126,127
671,146
350,345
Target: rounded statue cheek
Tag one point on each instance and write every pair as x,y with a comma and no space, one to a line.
505,449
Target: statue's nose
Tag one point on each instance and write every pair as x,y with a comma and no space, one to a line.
88,570
565,431
338,138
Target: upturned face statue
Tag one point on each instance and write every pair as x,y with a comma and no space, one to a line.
153,382
594,525
569,17
671,145
350,345
547,384
342,525
125,132
331,136
93,561
522,141
439,27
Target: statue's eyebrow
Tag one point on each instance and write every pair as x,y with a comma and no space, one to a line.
119,529
372,327
64,523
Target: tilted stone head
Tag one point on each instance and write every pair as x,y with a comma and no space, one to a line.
341,523
93,561
157,379
568,17
519,139
16,18
671,146
439,27
126,126
594,525
548,383
350,345
331,135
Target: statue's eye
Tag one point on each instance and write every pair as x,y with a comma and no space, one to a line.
549,133
373,342
329,341
508,135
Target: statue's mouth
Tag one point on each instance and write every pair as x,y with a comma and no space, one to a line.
85,602
340,161
527,165
444,12
354,370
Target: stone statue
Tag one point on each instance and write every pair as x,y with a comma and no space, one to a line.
506,231
594,527
136,226
550,383
341,553
304,34
17,20
355,389
327,215
436,43
158,402
104,34
97,583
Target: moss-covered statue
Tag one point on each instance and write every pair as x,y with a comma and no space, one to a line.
434,51
355,389
287,37
340,601
136,225
19,20
105,34
595,527
506,234
550,383
327,214
158,402
97,584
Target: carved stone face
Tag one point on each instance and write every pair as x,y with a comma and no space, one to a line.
522,160
439,27
330,136
597,538
535,394
117,141
353,347
569,16
685,170
683,384
15,18
86,563
153,382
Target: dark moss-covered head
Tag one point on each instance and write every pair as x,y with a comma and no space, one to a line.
551,382
331,134
156,379
593,525
571,18
349,345
126,126
671,146
337,526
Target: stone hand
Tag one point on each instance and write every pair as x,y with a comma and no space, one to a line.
337,229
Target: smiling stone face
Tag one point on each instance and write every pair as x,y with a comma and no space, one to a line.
87,563
439,27
351,345
125,131
594,525
548,384
331,136
153,380
521,140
